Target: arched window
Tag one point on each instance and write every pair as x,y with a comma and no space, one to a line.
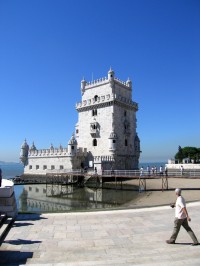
95,98
94,142
126,142
94,112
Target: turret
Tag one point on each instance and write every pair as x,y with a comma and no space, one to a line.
129,83
72,146
111,74
24,153
51,148
137,145
33,148
113,138
112,142
83,84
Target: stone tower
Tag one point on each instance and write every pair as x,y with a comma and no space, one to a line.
107,123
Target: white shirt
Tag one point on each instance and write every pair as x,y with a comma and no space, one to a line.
180,204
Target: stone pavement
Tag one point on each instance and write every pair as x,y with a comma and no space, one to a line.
123,237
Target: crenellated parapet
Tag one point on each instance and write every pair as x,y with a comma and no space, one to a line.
54,152
93,102
48,152
104,81
97,82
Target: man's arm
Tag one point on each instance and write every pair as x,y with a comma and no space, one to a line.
186,213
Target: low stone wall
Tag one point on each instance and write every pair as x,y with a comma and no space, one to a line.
7,198
187,166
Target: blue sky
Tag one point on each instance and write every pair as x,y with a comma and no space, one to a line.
46,47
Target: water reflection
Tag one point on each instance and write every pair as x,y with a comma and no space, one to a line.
62,198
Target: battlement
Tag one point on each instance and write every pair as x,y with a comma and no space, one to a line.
106,98
96,82
54,152
125,83
105,80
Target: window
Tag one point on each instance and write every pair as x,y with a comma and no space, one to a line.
52,167
94,112
114,140
61,167
126,142
37,167
76,131
30,188
94,142
44,167
30,167
72,147
125,113
95,98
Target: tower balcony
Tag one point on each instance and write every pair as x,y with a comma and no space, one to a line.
94,132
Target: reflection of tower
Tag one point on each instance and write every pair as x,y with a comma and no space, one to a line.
23,200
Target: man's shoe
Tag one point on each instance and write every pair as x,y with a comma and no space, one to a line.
194,244
170,242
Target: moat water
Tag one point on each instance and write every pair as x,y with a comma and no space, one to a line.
56,198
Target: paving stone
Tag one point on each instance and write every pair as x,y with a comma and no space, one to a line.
126,237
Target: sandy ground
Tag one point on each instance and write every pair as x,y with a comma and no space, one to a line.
155,197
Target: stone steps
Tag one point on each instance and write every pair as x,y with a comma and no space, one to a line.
66,258
5,225
114,262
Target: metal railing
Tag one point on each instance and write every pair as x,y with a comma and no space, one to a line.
192,173
189,173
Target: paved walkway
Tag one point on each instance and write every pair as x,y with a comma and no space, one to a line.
127,237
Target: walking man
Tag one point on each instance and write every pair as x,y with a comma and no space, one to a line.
181,218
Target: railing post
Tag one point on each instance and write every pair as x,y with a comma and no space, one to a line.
142,184
164,183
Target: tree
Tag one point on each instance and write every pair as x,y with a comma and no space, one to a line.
188,152
179,155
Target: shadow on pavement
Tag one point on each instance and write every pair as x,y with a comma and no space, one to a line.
184,244
16,224
21,242
14,258
29,217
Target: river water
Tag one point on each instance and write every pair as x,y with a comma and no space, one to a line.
56,198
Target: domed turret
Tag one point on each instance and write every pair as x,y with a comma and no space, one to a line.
112,141
111,74
51,147
129,83
61,147
83,84
24,153
72,146
33,148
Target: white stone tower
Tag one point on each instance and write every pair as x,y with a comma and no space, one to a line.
107,123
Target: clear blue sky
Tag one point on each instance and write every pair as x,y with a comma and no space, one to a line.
46,47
